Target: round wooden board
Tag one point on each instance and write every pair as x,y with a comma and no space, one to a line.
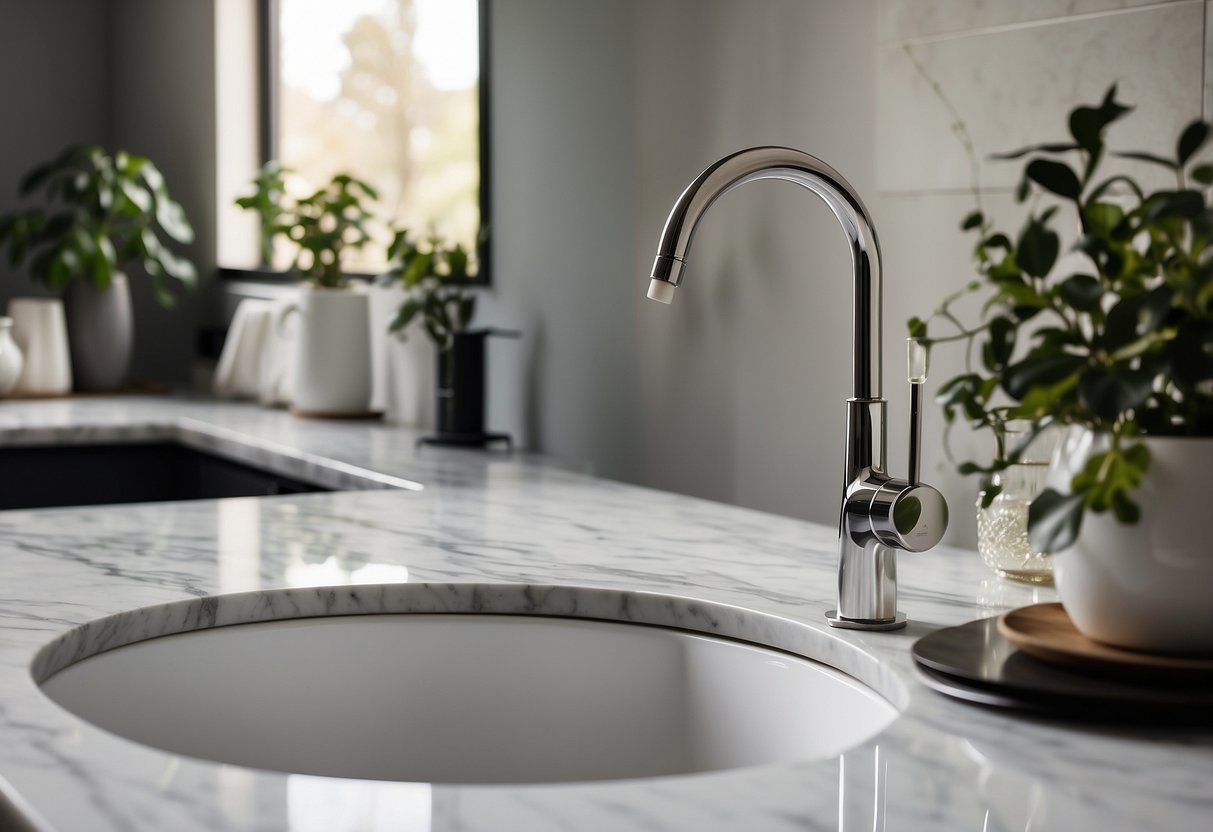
1045,632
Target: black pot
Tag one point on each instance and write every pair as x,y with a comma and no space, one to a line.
461,372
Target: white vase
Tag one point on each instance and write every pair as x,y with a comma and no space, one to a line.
333,358
11,358
39,328
402,384
1146,586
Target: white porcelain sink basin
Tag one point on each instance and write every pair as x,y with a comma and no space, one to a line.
470,699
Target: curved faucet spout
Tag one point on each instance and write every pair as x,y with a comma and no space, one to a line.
809,172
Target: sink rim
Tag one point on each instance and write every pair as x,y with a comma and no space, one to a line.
803,639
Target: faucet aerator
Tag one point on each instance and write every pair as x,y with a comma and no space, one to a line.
662,291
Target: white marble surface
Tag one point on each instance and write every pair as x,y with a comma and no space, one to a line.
491,533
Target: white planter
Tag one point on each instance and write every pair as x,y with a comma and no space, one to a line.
1147,586
333,358
402,385
40,329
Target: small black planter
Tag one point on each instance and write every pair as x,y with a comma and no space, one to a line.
460,392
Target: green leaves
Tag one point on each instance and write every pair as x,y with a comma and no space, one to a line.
435,276
1117,336
97,212
322,226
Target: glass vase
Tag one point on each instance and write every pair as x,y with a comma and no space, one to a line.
1002,526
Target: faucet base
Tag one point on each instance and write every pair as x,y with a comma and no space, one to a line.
836,620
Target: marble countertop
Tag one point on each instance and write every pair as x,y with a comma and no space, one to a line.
490,532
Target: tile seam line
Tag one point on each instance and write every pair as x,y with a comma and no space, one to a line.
1002,28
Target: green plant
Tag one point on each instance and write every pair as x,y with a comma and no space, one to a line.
322,227
99,214
436,277
1116,336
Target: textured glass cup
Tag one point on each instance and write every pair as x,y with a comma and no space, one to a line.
1002,527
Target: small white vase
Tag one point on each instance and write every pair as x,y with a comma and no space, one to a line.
11,358
1149,585
333,358
39,328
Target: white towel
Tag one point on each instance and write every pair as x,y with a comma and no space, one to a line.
257,359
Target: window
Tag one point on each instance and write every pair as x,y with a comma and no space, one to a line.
391,91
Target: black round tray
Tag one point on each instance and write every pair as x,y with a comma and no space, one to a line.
973,662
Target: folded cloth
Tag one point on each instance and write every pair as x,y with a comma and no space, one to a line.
257,357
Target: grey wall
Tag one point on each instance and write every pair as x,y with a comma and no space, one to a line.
162,106
565,195
54,62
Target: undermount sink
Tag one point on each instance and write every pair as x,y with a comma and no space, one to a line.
469,698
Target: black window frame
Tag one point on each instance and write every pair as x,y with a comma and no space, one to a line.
267,139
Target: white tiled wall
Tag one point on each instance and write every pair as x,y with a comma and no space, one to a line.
1013,70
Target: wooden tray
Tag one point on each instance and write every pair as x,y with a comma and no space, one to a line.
1045,632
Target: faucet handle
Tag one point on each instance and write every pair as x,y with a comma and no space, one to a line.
916,370
909,514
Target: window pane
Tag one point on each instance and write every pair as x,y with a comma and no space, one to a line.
387,90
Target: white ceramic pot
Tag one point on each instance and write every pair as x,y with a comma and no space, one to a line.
39,328
11,358
1147,586
333,358
402,370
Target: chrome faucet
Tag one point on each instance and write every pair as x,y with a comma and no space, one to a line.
879,513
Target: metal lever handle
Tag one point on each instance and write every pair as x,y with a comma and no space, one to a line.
916,370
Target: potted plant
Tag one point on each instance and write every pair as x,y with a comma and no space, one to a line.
435,279
1112,343
332,375
99,214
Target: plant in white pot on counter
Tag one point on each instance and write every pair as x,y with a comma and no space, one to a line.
332,371
99,214
1112,343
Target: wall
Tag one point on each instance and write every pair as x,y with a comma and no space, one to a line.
745,374
162,106
564,163
1012,71
63,44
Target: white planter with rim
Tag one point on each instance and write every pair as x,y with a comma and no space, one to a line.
332,373
1147,586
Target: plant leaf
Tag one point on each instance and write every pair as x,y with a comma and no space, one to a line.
1054,520
1191,140
1055,176
1081,291
1148,157
1109,393
1037,249
1039,371
1049,147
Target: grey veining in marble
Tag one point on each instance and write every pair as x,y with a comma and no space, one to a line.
510,535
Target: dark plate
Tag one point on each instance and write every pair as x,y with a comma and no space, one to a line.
974,662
